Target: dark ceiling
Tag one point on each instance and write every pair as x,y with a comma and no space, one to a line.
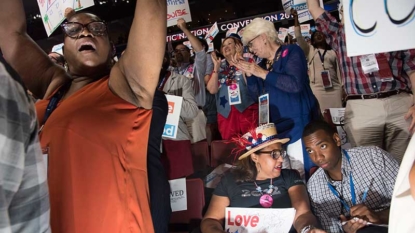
203,12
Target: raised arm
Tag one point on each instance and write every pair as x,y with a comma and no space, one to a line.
212,83
196,44
142,61
315,8
39,73
300,39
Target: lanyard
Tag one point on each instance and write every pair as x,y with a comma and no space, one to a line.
352,190
322,57
53,103
182,72
164,81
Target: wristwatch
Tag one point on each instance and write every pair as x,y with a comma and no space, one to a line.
306,229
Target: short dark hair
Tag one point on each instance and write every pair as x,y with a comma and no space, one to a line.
317,125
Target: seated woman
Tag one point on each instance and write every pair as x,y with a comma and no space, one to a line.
236,109
283,75
253,179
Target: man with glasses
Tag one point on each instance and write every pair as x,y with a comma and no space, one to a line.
352,189
194,70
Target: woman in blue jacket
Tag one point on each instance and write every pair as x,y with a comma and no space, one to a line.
282,74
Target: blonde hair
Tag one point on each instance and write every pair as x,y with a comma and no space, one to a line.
256,28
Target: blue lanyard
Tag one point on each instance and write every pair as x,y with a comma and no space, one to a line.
352,190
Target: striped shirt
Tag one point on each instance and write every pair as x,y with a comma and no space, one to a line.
370,167
24,197
355,81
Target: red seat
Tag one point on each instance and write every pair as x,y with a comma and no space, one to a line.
187,220
200,155
221,153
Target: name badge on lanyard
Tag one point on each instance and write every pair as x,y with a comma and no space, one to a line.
325,74
369,63
263,109
234,94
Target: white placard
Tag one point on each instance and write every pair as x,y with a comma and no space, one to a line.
291,31
377,30
177,9
258,220
233,30
213,31
305,30
173,117
282,33
301,7
178,195
53,11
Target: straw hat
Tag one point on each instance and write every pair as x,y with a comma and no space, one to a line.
258,139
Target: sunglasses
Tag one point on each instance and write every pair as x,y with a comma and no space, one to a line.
275,154
74,29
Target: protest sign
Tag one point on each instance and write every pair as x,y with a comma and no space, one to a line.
301,7
370,27
53,11
258,220
177,9
178,195
213,31
282,33
232,31
173,117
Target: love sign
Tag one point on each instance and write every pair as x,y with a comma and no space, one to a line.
256,220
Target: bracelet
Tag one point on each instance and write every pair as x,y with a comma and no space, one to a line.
307,229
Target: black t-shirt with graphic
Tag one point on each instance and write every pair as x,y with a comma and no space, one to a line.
245,195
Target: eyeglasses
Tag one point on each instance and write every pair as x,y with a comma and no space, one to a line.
179,50
74,29
250,42
275,154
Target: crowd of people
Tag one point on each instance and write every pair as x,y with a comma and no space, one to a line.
99,123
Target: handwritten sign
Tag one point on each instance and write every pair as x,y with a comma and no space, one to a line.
177,9
258,220
53,11
178,195
370,27
173,117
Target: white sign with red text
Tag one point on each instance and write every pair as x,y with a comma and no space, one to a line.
177,9
173,117
53,11
258,220
371,26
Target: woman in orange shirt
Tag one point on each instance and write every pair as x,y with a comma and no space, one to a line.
94,119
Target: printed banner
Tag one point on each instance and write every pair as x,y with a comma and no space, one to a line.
178,195
370,27
258,220
53,11
172,122
177,9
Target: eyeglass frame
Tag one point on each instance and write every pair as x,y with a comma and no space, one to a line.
282,153
83,28
249,45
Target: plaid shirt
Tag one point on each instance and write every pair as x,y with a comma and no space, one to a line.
370,167
24,198
355,81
